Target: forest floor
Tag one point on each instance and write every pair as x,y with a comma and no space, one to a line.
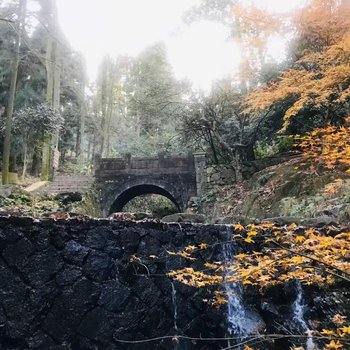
15,201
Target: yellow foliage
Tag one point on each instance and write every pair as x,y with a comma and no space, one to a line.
327,332
320,78
345,329
310,255
248,240
246,347
334,345
238,227
339,319
328,147
203,246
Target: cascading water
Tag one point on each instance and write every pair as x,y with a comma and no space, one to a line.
173,298
235,308
298,312
242,321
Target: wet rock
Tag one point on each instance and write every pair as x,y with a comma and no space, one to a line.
72,285
17,254
69,197
66,313
43,266
185,217
40,340
141,216
3,320
254,324
68,276
113,296
269,308
99,325
75,253
130,241
97,237
98,266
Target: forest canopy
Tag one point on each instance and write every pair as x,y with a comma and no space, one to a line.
138,106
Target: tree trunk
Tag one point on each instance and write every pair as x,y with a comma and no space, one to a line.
25,160
89,149
80,132
238,165
12,94
35,169
52,89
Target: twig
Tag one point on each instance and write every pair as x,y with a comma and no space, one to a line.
315,259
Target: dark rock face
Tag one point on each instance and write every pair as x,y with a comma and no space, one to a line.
72,284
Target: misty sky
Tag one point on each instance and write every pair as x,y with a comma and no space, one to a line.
200,52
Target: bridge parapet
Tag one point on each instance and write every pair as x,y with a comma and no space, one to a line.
105,167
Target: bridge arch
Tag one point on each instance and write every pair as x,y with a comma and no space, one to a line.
138,190
120,194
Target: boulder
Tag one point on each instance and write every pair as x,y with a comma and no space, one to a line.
122,216
185,217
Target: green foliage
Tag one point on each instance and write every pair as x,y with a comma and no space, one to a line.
138,104
34,121
156,205
266,149
285,144
70,166
23,203
89,205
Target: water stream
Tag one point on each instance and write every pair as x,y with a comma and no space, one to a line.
298,316
235,307
173,298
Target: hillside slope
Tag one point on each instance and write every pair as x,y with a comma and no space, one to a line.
287,189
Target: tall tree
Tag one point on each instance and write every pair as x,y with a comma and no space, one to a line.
53,72
315,91
19,27
137,102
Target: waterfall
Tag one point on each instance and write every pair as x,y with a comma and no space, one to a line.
235,308
173,298
242,321
298,311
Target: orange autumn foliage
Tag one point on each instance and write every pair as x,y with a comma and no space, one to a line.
309,255
320,78
327,147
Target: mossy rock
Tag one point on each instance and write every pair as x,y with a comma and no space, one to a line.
12,178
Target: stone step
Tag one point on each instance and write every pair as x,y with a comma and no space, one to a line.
65,183
73,184
78,178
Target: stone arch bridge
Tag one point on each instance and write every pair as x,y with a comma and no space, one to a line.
121,179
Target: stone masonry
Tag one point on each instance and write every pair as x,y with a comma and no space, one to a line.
99,284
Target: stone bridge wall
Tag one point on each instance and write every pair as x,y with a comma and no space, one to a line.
106,167
70,285
176,177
